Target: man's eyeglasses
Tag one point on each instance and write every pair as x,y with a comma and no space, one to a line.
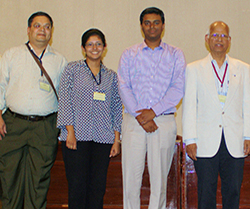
217,36
38,26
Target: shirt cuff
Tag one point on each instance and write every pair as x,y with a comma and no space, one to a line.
156,111
246,138
190,141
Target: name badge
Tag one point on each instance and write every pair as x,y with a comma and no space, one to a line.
99,96
222,98
44,85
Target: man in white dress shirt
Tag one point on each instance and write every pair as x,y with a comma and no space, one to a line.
28,131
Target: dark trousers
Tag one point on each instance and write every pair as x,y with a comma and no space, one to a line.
230,170
27,153
86,172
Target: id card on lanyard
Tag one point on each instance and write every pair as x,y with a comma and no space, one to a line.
222,98
44,84
99,96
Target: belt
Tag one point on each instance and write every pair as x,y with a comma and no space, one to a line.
171,113
30,117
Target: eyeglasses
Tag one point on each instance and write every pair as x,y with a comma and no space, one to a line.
91,45
38,26
217,36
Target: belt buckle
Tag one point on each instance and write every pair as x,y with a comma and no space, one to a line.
32,118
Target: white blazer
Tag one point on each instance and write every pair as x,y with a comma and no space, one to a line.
203,117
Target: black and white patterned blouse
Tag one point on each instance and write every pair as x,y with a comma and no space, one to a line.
93,119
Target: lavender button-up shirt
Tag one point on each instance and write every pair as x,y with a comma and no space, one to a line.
151,78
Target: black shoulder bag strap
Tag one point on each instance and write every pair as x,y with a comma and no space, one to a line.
43,70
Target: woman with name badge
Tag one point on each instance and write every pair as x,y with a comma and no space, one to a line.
90,117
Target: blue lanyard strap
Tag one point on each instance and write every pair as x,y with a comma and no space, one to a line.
39,58
98,83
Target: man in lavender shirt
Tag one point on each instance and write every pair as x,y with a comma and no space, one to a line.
151,84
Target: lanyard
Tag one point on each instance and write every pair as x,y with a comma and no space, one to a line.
221,81
94,75
39,58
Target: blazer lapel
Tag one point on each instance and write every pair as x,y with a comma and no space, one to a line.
234,80
208,79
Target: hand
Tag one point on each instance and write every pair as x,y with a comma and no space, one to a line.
150,126
3,129
71,139
191,150
115,150
145,116
247,147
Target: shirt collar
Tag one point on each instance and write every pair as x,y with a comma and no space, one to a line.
213,60
82,62
48,49
144,46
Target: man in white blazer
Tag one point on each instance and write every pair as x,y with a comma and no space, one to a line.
216,119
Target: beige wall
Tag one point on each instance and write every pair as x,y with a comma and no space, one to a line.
186,23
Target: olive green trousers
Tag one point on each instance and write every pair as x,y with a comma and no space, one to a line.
27,154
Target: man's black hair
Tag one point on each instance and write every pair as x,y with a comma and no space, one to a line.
40,13
152,10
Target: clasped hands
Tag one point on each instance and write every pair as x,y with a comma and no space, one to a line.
145,119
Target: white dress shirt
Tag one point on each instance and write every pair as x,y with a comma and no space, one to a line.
20,81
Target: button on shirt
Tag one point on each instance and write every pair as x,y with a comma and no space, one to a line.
19,81
93,120
151,78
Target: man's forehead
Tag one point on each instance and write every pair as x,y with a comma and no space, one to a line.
221,26
152,16
39,19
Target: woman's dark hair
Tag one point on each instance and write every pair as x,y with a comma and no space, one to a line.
31,18
152,10
91,32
